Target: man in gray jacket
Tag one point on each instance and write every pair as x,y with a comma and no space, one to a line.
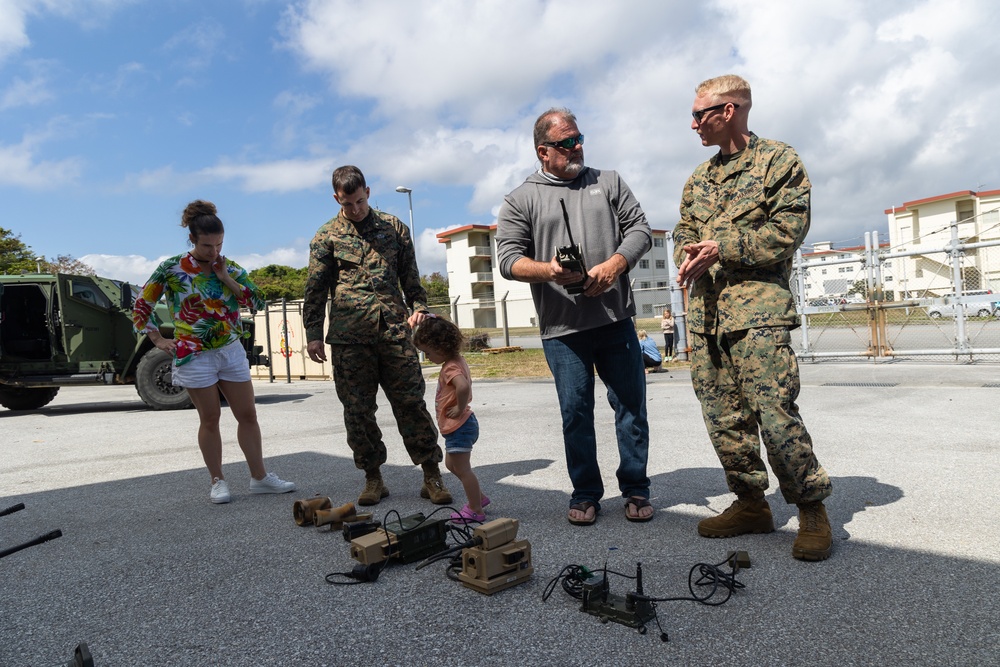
584,312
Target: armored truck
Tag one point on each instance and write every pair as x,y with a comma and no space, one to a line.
64,330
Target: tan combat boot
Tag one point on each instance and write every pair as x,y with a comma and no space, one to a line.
375,490
434,490
815,538
746,515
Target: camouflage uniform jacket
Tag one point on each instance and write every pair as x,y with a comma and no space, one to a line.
757,208
361,267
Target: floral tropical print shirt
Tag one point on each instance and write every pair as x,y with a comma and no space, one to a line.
206,313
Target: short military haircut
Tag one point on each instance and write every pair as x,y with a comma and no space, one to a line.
729,86
348,179
547,120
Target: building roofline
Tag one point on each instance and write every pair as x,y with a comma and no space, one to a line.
950,195
835,251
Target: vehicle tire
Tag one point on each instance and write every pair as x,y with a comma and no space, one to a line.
26,398
935,314
983,312
153,382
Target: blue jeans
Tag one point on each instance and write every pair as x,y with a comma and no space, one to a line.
613,350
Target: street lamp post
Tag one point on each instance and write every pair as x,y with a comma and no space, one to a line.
413,237
409,197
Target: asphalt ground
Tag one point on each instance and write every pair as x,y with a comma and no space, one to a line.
148,572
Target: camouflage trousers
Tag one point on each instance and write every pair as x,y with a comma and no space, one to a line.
747,382
358,372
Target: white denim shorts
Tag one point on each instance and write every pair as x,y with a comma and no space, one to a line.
227,363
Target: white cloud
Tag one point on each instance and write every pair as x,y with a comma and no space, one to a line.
135,269
477,59
277,176
21,93
21,167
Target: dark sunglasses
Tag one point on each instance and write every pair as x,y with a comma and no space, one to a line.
568,144
700,113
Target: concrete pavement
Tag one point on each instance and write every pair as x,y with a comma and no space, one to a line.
149,572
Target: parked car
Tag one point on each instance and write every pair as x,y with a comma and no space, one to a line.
61,330
976,303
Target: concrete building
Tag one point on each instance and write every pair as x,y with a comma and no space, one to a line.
830,273
925,225
479,294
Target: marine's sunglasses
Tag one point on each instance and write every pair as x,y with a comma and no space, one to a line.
568,144
700,113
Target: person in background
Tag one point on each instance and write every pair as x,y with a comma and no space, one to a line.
204,292
667,327
650,354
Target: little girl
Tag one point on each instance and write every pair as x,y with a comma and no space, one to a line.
441,341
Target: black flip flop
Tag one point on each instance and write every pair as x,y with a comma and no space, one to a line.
638,503
583,506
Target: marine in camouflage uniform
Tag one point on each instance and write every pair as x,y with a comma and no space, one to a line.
367,271
753,203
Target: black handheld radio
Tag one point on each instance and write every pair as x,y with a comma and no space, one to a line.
571,256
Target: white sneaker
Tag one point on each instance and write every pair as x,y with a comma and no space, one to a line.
270,484
220,491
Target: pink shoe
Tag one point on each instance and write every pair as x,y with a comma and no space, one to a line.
468,516
486,501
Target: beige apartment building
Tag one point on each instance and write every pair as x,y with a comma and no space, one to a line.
924,228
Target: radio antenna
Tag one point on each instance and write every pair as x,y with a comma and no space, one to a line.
566,220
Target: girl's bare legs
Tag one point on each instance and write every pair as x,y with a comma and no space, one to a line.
459,464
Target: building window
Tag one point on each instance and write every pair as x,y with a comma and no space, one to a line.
657,243
644,285
643,263
661,283
661,263
823,271
647,309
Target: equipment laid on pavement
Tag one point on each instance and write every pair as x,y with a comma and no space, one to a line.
304,511
319,512
497,561
407,539
636,609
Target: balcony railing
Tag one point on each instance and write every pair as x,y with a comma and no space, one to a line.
482,277
481,251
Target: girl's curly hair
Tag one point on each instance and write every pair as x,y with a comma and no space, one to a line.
439,334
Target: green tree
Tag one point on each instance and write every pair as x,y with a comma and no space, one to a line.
437,288
68,264
277,281
15,256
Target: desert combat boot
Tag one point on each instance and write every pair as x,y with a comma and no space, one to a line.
433,488
745,515
815,538
375,489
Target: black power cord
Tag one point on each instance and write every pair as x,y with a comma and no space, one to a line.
573,577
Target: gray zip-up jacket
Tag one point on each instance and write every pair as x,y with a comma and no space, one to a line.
604,218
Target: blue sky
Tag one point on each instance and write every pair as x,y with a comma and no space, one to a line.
116,113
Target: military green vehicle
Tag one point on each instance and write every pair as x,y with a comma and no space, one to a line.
66,330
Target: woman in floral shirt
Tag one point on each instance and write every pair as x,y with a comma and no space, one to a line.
204,292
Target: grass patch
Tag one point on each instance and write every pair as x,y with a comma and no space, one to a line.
528,363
